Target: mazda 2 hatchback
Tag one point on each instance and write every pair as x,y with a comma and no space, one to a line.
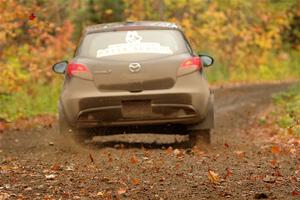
135,74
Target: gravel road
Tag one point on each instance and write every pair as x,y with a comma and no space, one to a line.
239,164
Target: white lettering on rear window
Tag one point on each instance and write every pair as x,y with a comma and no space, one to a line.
133,44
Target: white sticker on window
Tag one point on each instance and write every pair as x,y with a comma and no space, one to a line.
133,37
133,44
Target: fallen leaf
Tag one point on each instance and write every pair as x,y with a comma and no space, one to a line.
146,153
121,191
295,193
169,150
228,172
269,179
267,187
32,16
213,177
162,179
135,181
28,189
100,193
145,158
293,178
4,196
178,165
240,154
273,162
277,173
91,158
70,168
105,179
294,141
50,176
178,153
56,167
292,150
51,144
2,127
276,149
191,169
133,160
290,131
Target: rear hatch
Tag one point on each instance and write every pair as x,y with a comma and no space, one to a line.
135,76
133,60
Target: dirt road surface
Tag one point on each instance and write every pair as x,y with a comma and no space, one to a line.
239,164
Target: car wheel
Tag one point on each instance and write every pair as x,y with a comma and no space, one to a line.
79,135
200,136
64,127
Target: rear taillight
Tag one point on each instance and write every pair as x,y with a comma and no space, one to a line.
79,70
193,62
189,66
74,68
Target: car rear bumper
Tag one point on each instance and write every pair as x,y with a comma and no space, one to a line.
180,105
115,115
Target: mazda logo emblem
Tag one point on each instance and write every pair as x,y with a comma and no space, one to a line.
134,67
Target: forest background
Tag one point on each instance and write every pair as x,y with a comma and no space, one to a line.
251,41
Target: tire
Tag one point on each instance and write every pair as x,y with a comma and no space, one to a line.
65,130
200,136
64,127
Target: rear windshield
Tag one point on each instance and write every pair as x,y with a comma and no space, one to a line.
125,44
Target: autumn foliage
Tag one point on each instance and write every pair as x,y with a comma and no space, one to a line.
250,40
242,35
29,45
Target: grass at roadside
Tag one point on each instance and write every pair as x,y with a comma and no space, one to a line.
287,111
38,100
287,68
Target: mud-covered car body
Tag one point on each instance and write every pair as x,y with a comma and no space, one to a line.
135,73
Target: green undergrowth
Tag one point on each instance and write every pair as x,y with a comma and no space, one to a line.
30,102
274,70
287,110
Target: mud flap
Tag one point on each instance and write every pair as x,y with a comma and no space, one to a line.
208,122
